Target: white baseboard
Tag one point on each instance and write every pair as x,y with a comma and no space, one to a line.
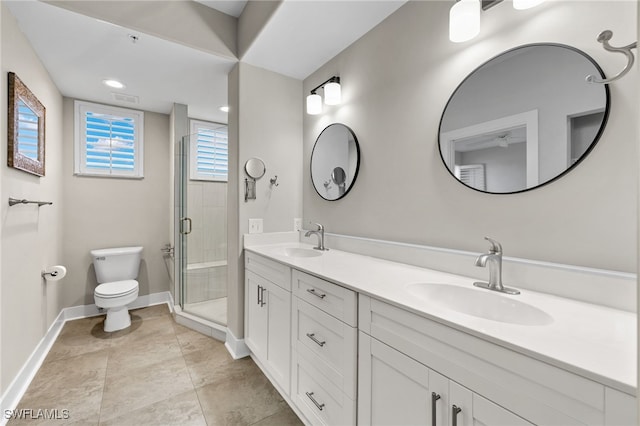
20,383
236,347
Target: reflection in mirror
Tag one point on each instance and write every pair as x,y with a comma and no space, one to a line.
339,177
335,161
516,122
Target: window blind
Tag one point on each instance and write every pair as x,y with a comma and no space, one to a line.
209,152
110,142
472,175
27,131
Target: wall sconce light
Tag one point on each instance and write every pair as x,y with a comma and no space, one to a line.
464,16
332,95
464,20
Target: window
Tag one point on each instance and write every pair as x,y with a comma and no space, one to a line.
209,151
108,141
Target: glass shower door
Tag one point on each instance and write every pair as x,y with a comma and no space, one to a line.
201,237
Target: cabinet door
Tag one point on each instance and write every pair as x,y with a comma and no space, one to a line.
470,409
256,315
393,389
278,306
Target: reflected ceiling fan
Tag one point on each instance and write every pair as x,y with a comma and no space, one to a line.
505,139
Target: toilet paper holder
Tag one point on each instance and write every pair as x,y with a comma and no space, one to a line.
54,273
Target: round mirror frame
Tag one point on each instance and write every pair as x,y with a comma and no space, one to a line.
253,169
596,138
357,168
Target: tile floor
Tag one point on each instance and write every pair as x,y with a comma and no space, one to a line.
156,372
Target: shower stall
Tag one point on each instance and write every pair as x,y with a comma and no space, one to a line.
201,224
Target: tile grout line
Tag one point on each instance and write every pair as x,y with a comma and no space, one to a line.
188,369
104,384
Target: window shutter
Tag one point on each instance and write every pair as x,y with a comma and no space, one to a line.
209,151
472,175
27,131
108,141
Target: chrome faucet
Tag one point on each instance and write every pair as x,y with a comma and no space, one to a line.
320,234
494,258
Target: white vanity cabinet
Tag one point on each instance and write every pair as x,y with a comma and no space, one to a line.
404,357
363,355
268,316
397,390
324,357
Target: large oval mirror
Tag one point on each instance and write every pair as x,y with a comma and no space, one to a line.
523,119
335,161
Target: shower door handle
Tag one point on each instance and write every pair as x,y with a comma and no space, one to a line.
182,227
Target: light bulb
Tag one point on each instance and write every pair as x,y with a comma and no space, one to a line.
113,83
525,4
464,20
332,94
314,104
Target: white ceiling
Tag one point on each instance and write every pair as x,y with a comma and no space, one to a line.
230,7
304,34
79,52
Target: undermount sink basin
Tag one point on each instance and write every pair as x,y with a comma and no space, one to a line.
485,304
301,252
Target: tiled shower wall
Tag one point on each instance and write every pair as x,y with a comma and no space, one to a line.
207,242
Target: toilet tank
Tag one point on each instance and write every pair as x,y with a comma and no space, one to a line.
116,264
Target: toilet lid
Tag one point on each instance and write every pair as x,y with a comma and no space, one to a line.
117,288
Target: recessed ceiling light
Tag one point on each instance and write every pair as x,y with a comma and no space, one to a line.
114,83
224,108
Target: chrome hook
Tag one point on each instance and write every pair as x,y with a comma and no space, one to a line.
274,180
604,38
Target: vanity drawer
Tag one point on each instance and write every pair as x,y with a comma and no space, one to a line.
330,298
330,344
273,271
320,401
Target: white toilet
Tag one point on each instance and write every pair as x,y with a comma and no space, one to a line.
116,271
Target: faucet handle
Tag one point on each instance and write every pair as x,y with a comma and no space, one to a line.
319,225
496,247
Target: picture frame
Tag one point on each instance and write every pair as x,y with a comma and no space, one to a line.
26,129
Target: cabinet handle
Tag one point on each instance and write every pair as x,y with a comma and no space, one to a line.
262,302
310,395
312,336
434,398
258,293
313,291
454,414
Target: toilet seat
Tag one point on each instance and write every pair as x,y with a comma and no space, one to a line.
116,289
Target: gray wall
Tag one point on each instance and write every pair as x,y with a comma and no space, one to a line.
106,212
265,121
396,81
31,236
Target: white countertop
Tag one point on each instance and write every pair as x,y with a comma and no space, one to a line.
593,341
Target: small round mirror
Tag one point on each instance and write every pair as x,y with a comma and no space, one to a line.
335,161
255,168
